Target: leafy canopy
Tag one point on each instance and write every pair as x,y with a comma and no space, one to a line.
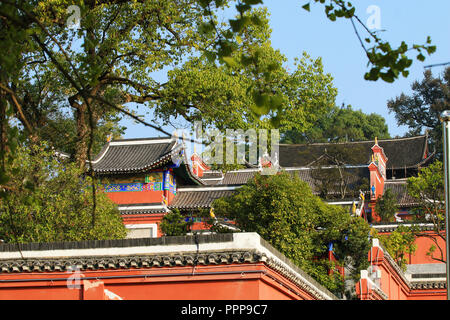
428,190
341,124
386,206
49,199
283,210
174,224
421,110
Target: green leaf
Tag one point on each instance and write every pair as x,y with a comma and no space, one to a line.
231,62
307,7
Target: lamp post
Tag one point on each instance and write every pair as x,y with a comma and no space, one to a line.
445,116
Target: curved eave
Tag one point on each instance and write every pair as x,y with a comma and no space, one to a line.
153,165
184,171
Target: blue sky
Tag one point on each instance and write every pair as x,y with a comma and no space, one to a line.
295,30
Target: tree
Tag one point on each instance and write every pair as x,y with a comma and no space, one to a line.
49,199
283,210
386,206
54,77
428,189
341,125
421,110
108,62
174,224
399,243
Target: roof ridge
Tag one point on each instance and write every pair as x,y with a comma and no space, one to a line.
141,141
138,139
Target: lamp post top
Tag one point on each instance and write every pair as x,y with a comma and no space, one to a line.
445,115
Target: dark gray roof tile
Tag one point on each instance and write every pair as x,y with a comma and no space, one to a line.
399,188
134,155
203,198
401,152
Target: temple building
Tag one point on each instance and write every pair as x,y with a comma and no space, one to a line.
150,177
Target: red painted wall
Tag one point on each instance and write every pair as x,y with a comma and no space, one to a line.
136,197
223,282
144,219
392,283
423,245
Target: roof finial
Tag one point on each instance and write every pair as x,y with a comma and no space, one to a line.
376,140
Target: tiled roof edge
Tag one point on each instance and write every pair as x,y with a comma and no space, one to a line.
122,243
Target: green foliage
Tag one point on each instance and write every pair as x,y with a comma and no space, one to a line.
49,199
386,206
428,190
421,110
174,224
283,210
400,243
252,90
341,125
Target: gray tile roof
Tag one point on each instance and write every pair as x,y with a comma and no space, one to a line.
126,262
399,188
355,178
229,248
426,270
200,197
402,152
238,178
134,155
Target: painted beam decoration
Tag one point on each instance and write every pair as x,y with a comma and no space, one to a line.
153,181
132,187
124,187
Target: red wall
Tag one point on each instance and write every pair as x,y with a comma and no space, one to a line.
423,245
144,219
392,282
224,282
136,197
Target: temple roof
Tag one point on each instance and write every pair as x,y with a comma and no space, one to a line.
141,155
309,175
199,197
143,208
399,188
134,155
402,153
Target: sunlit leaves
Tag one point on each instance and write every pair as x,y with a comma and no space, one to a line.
282,209
49,199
